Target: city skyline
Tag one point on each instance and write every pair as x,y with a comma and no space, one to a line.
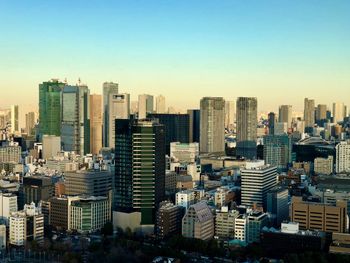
230,49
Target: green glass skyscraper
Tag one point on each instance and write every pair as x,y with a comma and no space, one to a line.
50,108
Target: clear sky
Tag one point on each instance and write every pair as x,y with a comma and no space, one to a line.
278,50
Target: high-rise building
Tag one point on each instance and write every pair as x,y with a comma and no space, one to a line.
119,108
36,189
230,114
272,121
14,119
26,225
194,133
95,123
51,146
169,220
139,173
309,113
285,114
75,127
160,104
8,205
108,89
225,223
10,153
50,107
247,127
256,180
30,123
342,162
198,222
277,205
318,216
339,112
278,151
212,122
145,105
176,128
321,114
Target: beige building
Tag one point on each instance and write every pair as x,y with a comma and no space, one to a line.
95,123
318,216
51,146
198,222
225,223
323,166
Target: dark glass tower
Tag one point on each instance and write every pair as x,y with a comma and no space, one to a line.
176,128
195,118
272,120
139,167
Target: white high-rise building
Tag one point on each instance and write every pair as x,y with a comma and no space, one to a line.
212,122
14,119
145,105
256,180
342,157
26,225
160,104
339,112
230,114
119,108
8,205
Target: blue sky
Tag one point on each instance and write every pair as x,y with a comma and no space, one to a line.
279,51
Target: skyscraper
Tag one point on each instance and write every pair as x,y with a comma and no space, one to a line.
321,114
108,89
338,112
247,121
30,123
119,108
285,114
139,173
212,125
14,119
194,125
278,151
50,107
230,114
95,123
75,127
145,105
309,113
160,104
272,121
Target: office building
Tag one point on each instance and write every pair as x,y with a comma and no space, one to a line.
50,107
139,173
241,228
95,123
145,105
89,214
321,114
75,126
309,113
194,125
247,127
14,119
30,123
256,221
88,182
160,104
323,166
176,128
60,212
119,108
318,216
212,121
26,225
342,162
285,115
272,121
169,220
36,189
278,151
198,222
339,112
257,179
10,153
225,223
230,114
51,146
8,205
109,88
184,152
277,205
185,198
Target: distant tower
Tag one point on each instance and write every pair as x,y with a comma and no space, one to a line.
145,105
95,123
309,114
160,104
108,89
272,121
285,115
14,119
